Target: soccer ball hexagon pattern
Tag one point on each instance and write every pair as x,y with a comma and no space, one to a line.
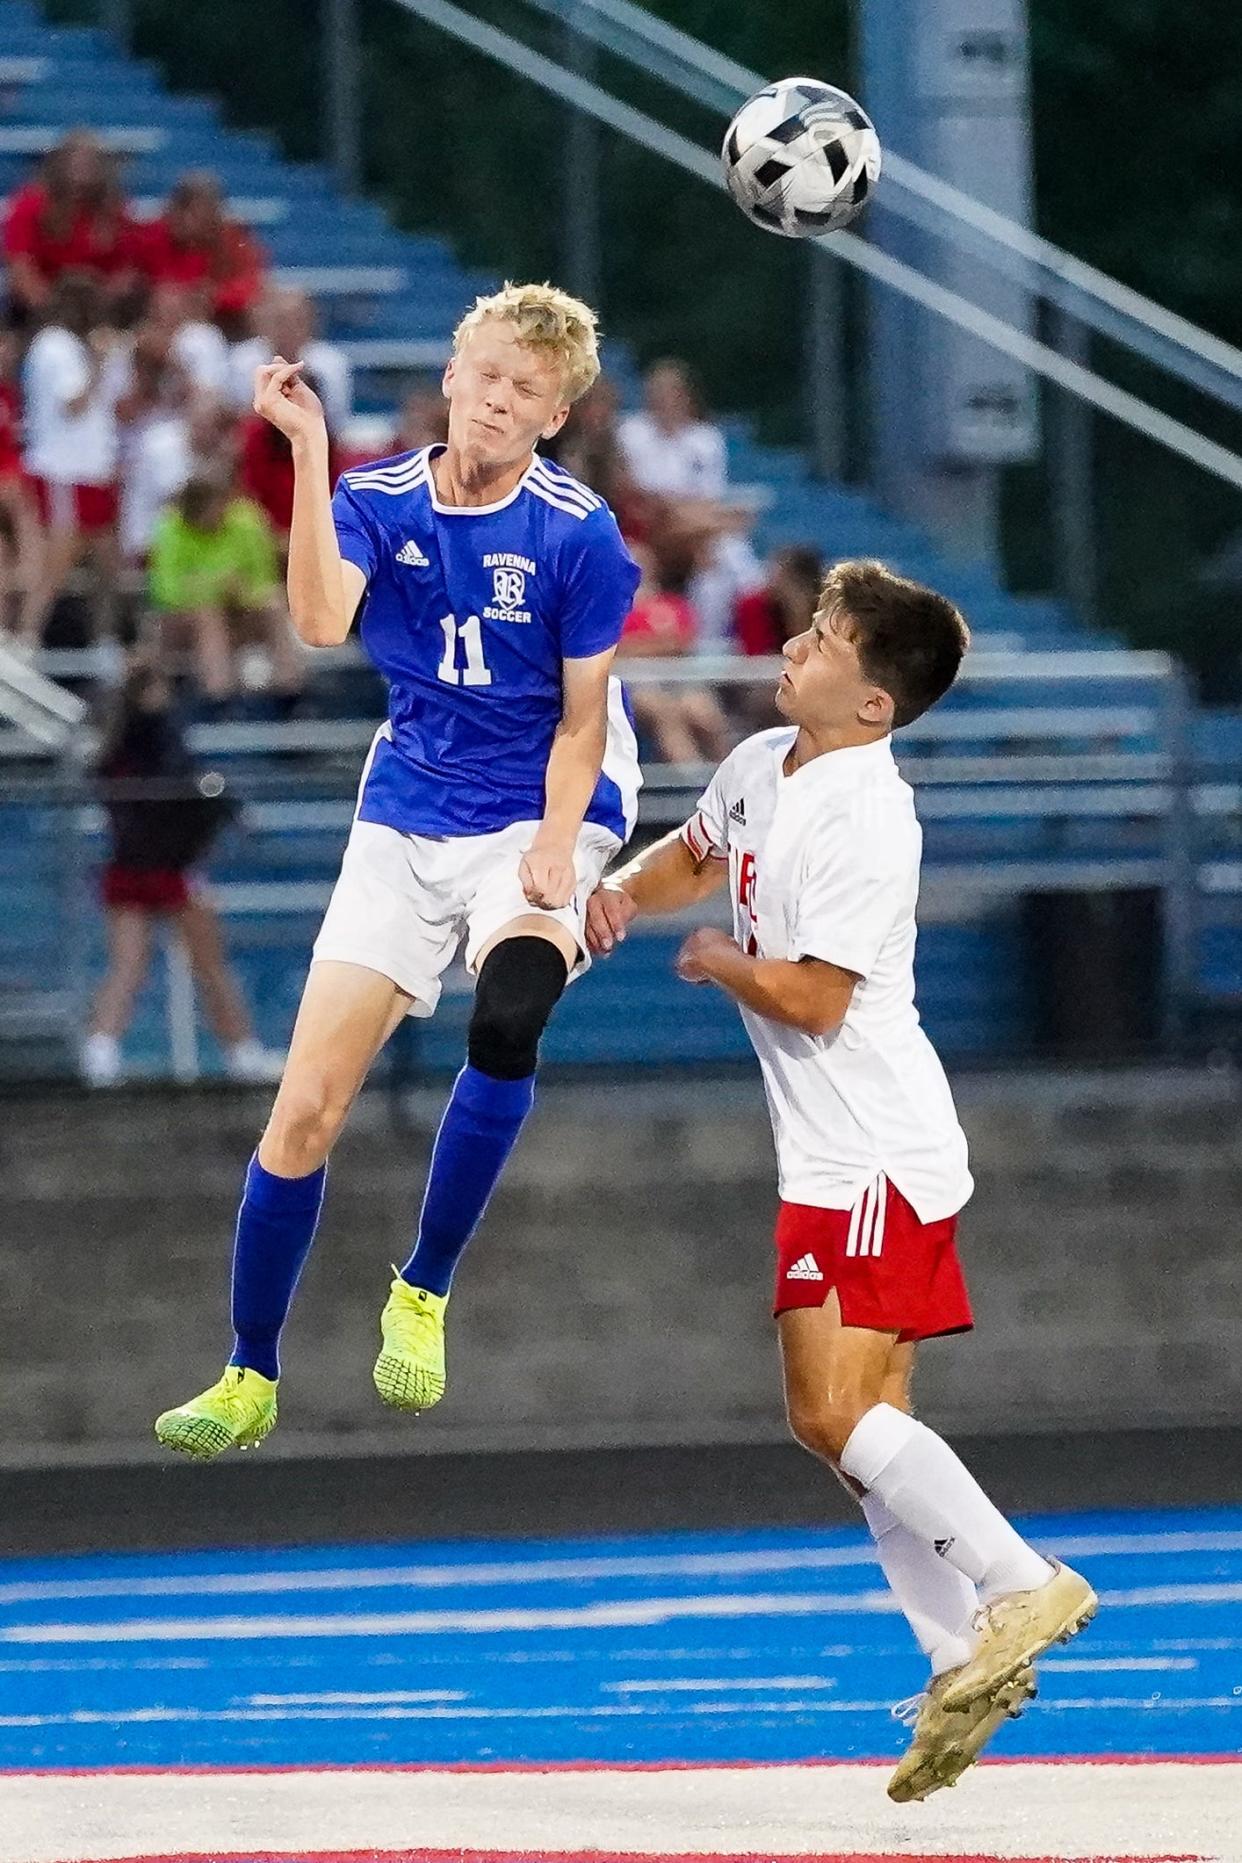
801,158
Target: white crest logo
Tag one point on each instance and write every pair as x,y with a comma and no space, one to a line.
509,588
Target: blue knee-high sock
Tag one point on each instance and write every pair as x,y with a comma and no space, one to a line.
275,1228
479,1129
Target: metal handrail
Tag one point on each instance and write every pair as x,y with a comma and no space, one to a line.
644,130
35,705
1117,311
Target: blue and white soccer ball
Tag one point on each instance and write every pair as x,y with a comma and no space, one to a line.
801,158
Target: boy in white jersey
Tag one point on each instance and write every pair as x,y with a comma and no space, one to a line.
817,836
491,588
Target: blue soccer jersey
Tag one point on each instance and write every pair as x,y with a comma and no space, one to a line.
469,612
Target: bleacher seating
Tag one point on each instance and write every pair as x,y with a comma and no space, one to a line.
392,298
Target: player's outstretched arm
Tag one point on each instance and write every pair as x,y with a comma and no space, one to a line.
324,591
665,877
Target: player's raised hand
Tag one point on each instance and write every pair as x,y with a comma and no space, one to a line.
693,962
281,396
548,877
610,912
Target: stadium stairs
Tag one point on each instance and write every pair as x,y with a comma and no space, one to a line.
392,298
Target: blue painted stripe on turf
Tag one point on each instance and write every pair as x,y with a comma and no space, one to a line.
559,1694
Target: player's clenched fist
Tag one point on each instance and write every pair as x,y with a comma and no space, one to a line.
548,878
694,962
610,911
281,396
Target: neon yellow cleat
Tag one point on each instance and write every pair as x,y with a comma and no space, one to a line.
238,1412
409,1372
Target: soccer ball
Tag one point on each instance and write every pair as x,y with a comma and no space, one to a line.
800,158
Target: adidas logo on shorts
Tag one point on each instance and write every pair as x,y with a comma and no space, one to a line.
807,1269
412,556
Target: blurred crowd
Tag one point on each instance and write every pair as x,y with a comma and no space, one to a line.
127,443
704,591
144,505
136,481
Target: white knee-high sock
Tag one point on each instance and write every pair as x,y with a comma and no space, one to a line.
939,1601
926,1487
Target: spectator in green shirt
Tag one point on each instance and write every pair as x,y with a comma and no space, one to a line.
215,582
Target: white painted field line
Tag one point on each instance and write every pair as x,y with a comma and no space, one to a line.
87,1665
583,1712
611,1614
358,1698
621,1612
585,1569
1197,1643
1108,1665
124,1717
716,1685
444,1577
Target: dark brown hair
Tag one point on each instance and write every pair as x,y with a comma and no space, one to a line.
910,641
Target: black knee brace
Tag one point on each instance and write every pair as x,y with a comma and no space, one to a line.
519,986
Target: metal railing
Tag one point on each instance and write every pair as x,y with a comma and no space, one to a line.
1042,773
705,76
34,706
1085,384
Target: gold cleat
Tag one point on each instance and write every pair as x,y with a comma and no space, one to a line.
1015,1629
946,1743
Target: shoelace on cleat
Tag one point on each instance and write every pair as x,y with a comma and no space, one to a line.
415,1327
907,1711
232,1400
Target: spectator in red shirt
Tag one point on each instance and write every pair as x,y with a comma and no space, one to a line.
196,245
73,218
785,606
685,722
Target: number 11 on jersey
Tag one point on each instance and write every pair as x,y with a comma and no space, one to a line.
476,671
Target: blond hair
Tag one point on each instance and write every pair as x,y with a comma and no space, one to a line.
559,327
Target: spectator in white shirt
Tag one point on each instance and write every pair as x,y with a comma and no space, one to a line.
154,415
671,447
74,374
199,347
287,327
672,450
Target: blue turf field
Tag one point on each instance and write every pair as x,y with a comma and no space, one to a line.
690,1647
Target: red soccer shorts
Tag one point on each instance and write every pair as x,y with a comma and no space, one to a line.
145,889
892,1273
77,507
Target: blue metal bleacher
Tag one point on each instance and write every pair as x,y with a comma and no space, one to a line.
392,298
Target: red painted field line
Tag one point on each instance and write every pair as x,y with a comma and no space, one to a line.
554,1766
598,1856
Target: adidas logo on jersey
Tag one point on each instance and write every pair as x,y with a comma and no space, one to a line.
737,813
412,556
807,1269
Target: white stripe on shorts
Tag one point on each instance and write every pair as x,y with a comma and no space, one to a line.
866,1231
856,1215
877,1221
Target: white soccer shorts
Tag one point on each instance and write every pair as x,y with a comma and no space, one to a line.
404,902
